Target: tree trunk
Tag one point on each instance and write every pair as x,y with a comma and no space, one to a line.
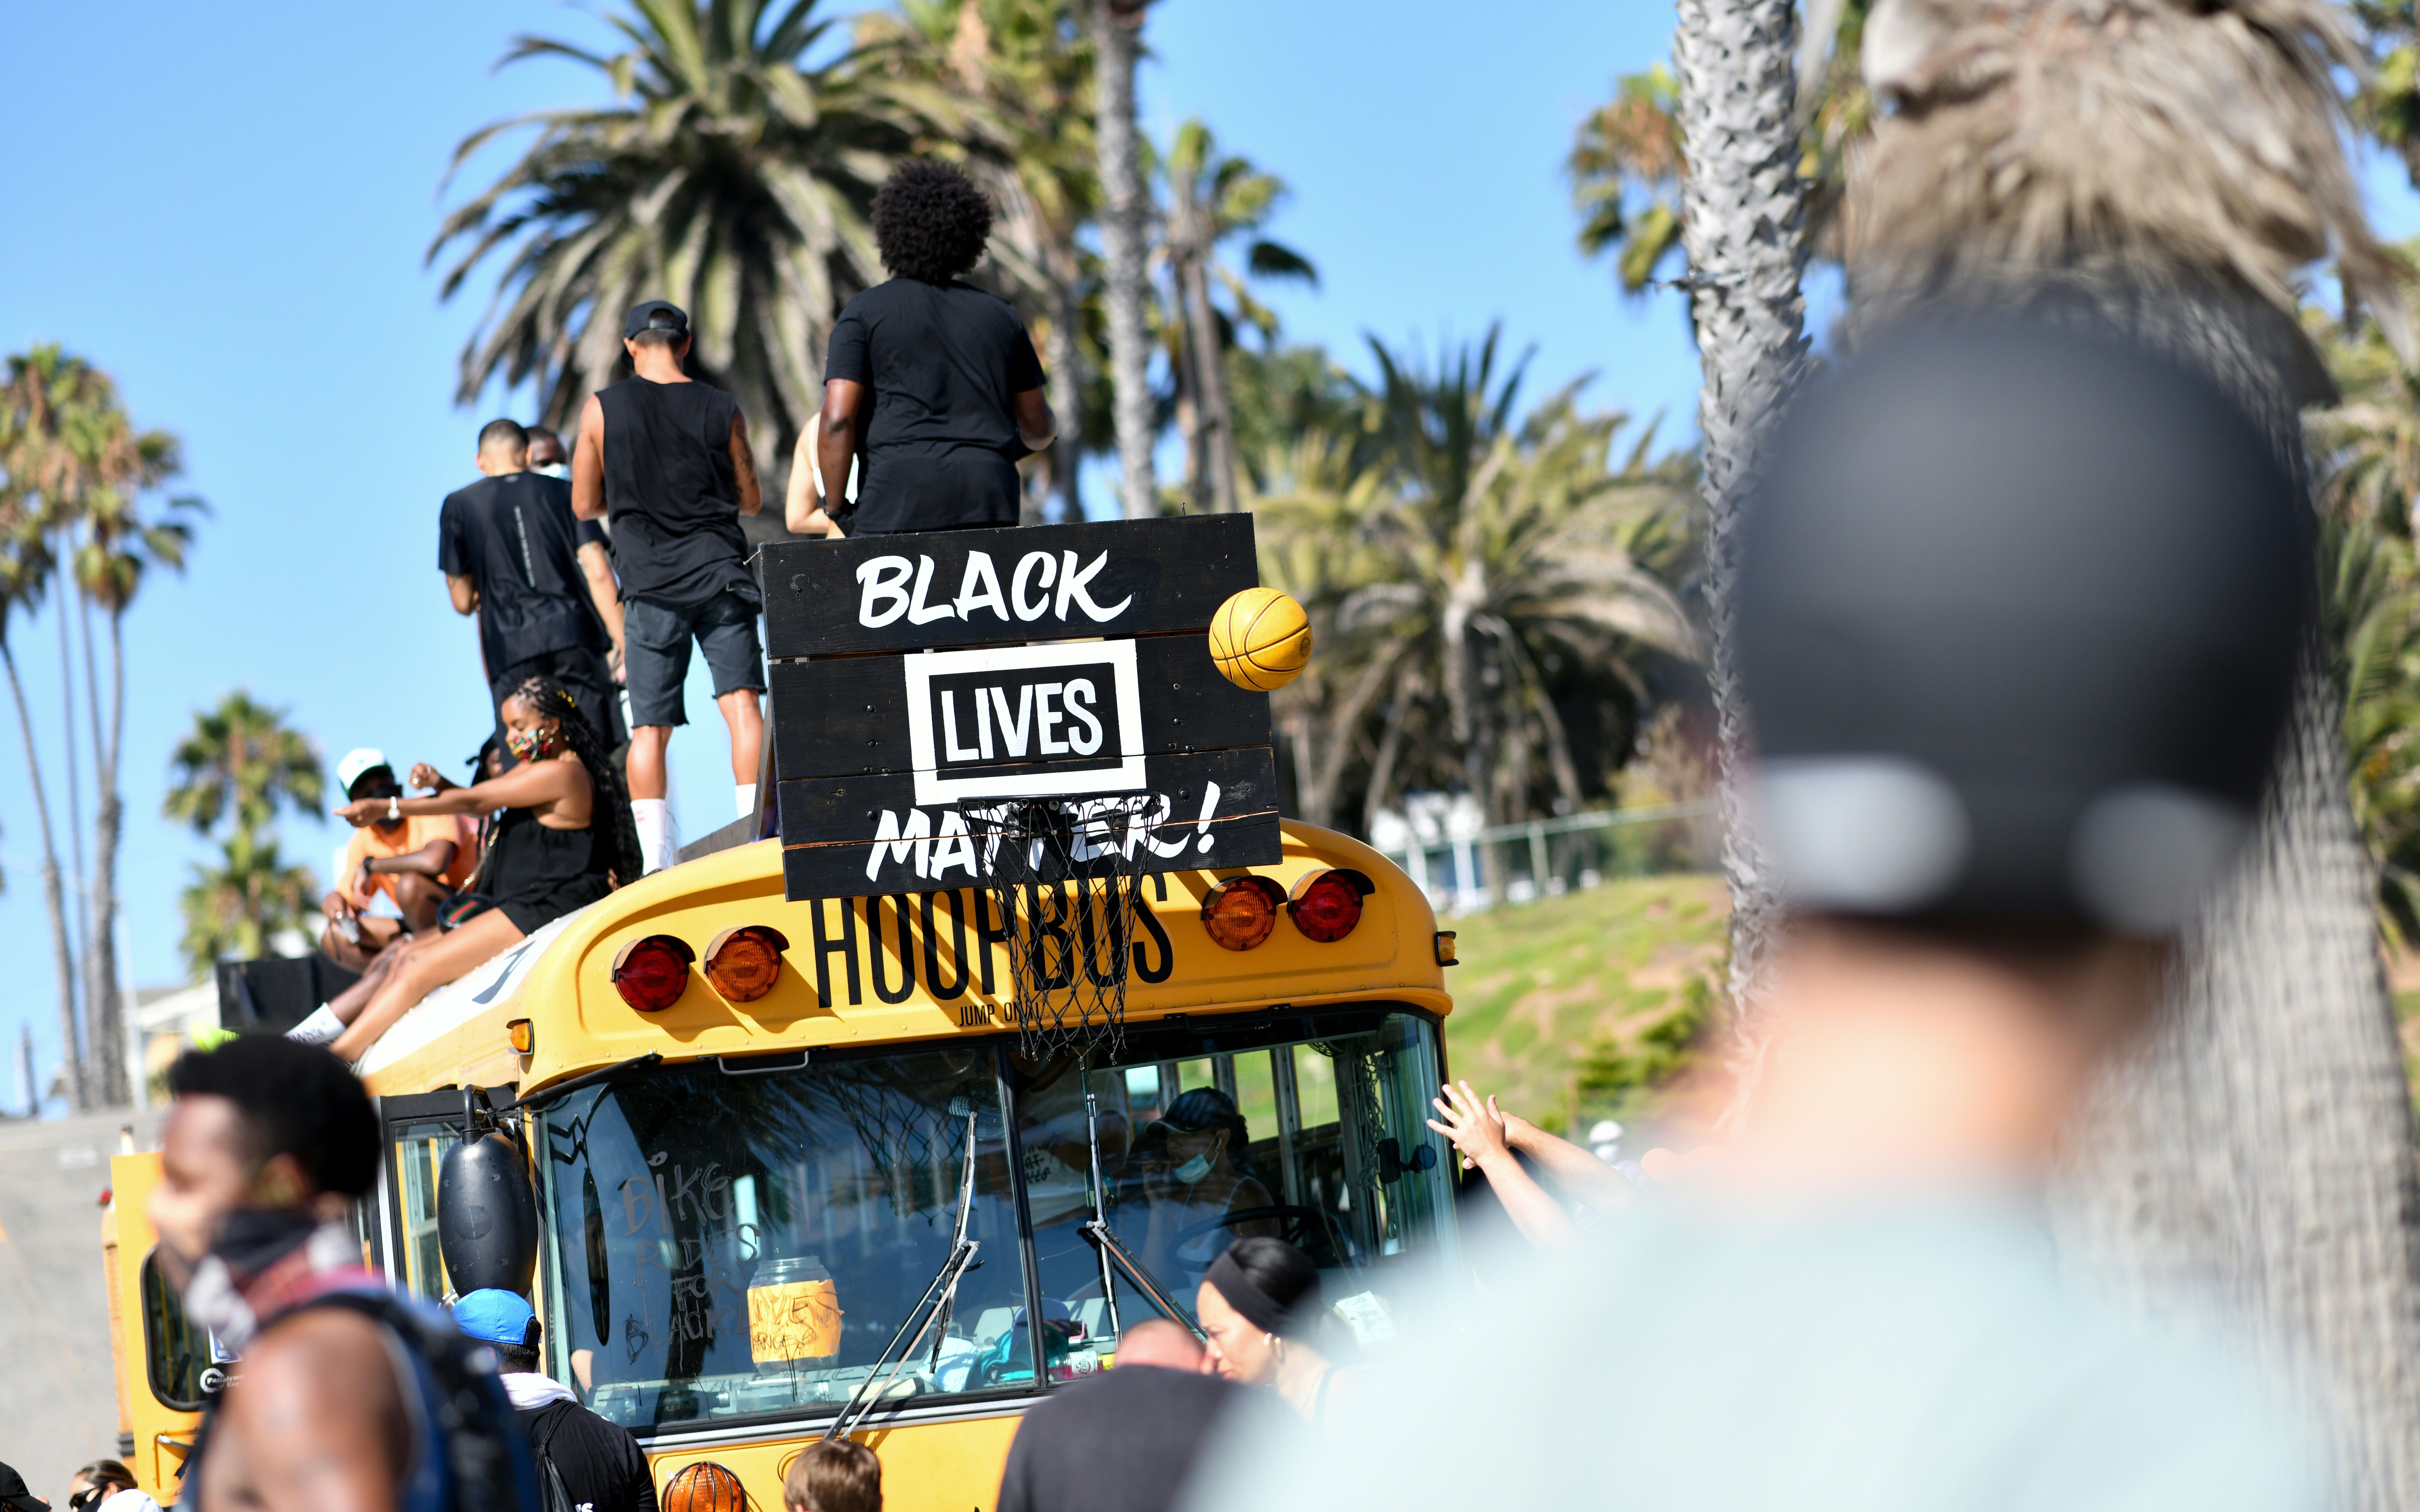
88,1083
102,1004
1218,420
1067,381
54,896
1117,39
1741,204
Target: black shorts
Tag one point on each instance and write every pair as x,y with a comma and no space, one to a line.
535,909
655,653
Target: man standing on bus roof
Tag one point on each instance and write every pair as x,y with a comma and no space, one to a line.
931,385
666,459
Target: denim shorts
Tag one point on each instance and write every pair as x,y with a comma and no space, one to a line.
655,653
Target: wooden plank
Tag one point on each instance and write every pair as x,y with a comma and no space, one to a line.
851,716
971,588
857,835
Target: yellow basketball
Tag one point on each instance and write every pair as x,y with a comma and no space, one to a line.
1261,638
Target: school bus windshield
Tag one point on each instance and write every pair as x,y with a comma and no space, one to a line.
733,1245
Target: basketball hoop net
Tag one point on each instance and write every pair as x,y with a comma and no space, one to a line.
1066,878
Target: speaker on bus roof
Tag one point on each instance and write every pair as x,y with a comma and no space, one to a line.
487,1216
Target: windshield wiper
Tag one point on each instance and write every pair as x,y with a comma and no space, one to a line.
1114,1255
941,1298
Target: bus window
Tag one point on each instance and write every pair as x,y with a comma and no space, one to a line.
175,1351
727,1246
1312,1129
417,1153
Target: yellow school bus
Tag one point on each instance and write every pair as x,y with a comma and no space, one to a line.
761,1137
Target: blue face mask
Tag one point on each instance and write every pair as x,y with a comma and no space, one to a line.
1194,1169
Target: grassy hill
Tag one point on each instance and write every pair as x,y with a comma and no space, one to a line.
1573,1008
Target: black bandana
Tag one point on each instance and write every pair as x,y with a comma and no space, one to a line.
1258,1308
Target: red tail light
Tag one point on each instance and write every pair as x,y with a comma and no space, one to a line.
1240,911
1327,905
743,963
704,1486
653,972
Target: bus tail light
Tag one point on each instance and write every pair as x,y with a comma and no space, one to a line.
742,963
1240,911
704,1486
1327,904
651,973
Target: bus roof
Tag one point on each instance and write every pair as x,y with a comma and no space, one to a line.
863,971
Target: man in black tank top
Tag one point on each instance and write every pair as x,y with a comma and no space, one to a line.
930,385
666,459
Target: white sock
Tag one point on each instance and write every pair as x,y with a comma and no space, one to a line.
747,792
321,1028
654,819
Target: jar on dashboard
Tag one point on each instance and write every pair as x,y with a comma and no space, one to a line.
794,1313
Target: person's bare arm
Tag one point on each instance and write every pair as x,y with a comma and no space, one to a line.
525,786
743,466
802,508
430,860
1035,423
1576,1171
464,592
1477,1130
318,1419
596,564
843,401
589,463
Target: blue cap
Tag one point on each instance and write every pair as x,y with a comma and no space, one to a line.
497,1316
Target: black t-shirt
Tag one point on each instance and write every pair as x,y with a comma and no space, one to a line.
517,540
671,492
1121,1442
601,1465
940,362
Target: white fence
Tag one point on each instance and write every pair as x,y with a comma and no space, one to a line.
1545,857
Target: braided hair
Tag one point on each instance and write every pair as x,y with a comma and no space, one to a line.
611,811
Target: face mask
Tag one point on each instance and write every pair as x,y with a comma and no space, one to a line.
532,745
1194,1169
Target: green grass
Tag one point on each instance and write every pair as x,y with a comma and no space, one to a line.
1575,1008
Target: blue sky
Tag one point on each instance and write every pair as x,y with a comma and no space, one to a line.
226,207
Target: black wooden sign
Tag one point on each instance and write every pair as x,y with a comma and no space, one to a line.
1009,706
973,588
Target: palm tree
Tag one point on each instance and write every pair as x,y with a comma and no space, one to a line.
235,909
2271,1105
1117,44
1213,199
728,176
1463,579
241,762
26,564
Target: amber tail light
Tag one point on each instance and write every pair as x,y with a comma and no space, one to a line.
1327,904
743,963
1240,911
651,973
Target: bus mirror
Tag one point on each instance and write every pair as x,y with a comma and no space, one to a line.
487,1216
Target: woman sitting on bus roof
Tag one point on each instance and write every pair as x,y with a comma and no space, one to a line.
1194,1174
565,841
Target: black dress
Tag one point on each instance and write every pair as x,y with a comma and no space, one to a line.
536,875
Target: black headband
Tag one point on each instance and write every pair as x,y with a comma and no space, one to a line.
1258,1308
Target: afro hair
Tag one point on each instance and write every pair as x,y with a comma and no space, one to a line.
295,1100
930,222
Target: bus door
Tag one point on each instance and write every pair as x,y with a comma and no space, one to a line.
399,1224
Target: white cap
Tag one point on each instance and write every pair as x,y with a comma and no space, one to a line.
356,763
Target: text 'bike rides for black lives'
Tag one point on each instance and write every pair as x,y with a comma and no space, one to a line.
1070,666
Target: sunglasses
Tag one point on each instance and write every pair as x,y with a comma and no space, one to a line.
91,1496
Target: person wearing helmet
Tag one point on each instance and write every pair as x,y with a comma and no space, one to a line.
2019,613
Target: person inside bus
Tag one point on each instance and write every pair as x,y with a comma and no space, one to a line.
2019,616
1260,1306
1191,1170
417,863
565,841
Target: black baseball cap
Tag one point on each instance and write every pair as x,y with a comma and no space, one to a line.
14,1495
655,315
2019,614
